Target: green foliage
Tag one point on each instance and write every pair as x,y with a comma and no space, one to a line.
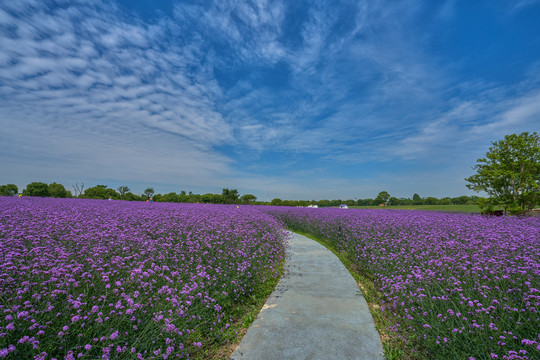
100,192
170,197
445,201
444,208
431,201
129,196
276,202
36,189
417,200
382,198
212,198
9,190
149,192
57,190
123,189
248,198
230,196
486,206
510,172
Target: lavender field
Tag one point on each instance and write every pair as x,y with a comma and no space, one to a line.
110,279
457,286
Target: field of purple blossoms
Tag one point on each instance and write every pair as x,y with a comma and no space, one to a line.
458,286
111,279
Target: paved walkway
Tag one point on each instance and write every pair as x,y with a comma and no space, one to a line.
315,312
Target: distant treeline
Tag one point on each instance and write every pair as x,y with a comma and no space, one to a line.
228,196
392,201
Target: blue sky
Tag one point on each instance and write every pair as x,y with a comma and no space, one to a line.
289,99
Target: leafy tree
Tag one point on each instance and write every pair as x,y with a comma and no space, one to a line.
417,200
123,189
382,198
57,190
230,196
194,198
460,200
212,198
430,200
276,202
404,201
149,192
100,192
446,201
183,197
36,189
129,196
510,172
9,190
248,198
364,202
170,197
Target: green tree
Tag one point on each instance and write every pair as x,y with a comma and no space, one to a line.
9,190
129,196
212,198
430,200
417,200
57,190
510,172
248,199
230,196
382,198
36,189
446,201
276,202
100,192
171,197
460,200
123,189
149,192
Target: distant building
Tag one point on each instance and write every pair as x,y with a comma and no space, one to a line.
313,206
343,206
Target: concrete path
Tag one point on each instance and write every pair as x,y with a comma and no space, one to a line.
315,312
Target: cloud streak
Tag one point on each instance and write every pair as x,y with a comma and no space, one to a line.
211,91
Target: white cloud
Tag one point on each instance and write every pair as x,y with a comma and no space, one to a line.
521,114
357,85
522,4
101,92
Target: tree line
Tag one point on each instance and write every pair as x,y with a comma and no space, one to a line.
227,196
509,175
41,189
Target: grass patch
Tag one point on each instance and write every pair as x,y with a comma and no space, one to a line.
393,347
